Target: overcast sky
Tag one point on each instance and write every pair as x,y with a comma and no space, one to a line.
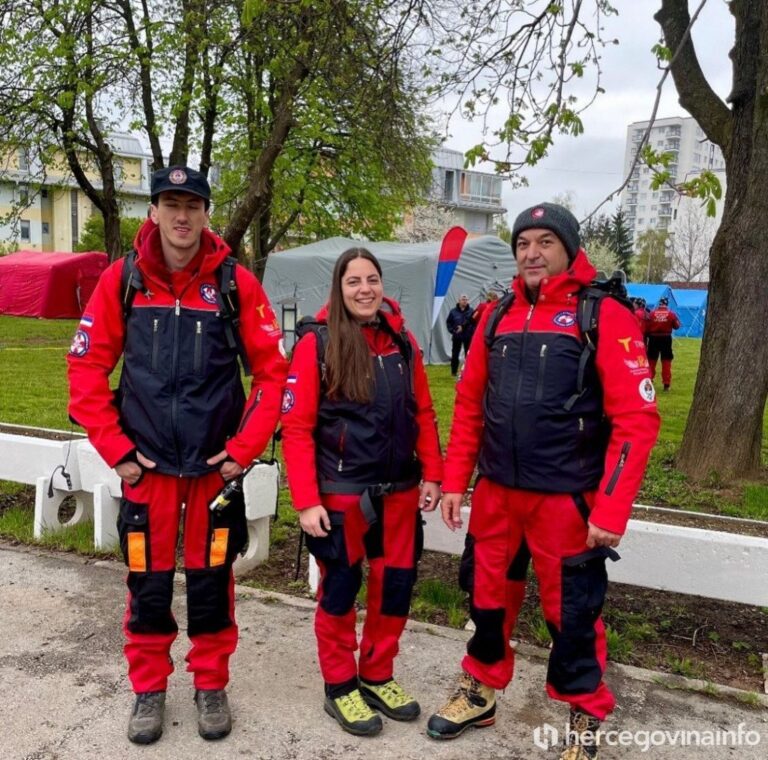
590,166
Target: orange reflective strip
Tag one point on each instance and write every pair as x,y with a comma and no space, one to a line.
219,546
137,553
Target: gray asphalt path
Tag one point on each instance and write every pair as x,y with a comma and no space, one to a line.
65,695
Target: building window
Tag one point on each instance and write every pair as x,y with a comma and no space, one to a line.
45,227
44,192
24,196
23,158
75,226
25,231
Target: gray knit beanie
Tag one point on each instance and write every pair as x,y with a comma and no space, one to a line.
550,216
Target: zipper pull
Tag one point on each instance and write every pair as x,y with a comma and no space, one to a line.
543,351
381,361
400,367
178,307
504,351
341,465
155,324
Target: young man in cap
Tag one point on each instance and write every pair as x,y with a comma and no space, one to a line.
561,439
177,428
661,322
460,326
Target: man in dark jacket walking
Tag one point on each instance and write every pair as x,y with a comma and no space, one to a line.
178,427
461,327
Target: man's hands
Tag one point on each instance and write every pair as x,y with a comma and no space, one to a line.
599,537
429,495
229,469
450,506
315,521
131,472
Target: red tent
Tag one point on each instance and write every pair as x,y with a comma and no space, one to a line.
48,285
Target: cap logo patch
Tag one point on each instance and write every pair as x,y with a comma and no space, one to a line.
537,213
178,177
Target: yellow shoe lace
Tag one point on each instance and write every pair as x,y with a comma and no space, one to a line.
353,707
459,703
392,694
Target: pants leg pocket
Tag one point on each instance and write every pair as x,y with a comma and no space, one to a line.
132,528
229,532
573,665
330,547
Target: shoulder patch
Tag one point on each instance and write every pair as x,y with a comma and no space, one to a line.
647,391
80,343
288,401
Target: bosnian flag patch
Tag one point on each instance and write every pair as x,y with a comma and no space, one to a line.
86,320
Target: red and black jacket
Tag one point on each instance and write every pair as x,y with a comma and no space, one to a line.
662,321
517,413
180,399
391,439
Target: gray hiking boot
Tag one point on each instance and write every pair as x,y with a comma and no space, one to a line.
146,723
214,719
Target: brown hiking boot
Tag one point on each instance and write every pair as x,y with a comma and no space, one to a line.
472,704
146,722
582,742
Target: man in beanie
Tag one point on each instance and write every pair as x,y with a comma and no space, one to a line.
176,430
560,435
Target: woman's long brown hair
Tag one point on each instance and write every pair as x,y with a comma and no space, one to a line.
347,357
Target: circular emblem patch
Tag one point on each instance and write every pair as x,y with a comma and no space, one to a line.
647,391
564,319
288,401
177,177
80,343
537,213
208,293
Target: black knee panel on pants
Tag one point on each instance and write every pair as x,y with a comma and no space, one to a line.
573,665
467,566
396,593
151,595
208,600
487,644
340,586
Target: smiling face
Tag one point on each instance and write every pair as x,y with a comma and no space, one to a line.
180,217
539,254
361,289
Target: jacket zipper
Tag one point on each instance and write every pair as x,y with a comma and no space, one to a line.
391,417
251,409
542,369
517,392
618,469
155,343
198,346
342,439
175,381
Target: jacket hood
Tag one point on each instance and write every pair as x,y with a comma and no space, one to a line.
213,250
579,274
389,311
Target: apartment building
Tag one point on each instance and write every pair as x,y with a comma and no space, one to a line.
693,153
474,197
53,214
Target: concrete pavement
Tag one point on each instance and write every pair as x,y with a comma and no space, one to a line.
65,695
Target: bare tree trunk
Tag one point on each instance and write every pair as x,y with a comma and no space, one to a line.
724,430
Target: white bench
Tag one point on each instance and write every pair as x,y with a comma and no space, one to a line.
28,456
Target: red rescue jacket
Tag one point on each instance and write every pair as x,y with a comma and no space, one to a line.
622,376
662,321
303,398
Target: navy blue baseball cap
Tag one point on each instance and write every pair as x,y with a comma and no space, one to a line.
180,179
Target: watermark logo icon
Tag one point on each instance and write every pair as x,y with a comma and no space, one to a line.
545,736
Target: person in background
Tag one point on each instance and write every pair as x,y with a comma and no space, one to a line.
177,428
363,457
461,327
490,300
561,435
661,322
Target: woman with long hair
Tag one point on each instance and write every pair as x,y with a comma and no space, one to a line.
363,457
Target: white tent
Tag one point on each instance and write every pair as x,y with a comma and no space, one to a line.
300,278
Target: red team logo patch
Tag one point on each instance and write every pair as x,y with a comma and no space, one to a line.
208,293
80,343
564,319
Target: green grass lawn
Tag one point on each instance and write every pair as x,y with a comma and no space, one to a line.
34,392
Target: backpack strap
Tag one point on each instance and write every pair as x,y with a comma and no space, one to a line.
229,308
320,329
587,312
131,282
499,310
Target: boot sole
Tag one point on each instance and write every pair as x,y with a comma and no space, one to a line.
212,736
351,729
141,739
484,723
374,702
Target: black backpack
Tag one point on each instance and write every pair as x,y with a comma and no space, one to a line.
587,315
227,297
